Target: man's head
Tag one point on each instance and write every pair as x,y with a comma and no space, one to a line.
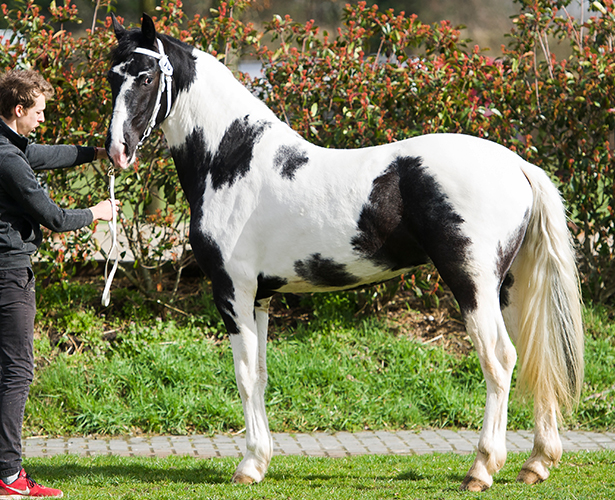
23,94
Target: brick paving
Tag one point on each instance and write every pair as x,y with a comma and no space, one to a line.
320,444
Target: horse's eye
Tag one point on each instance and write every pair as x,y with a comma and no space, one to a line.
147,80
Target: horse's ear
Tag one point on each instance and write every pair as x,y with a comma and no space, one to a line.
120,31
148,29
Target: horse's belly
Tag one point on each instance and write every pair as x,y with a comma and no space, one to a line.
333,269
332,282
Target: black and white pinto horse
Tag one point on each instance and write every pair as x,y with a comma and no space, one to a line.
271,213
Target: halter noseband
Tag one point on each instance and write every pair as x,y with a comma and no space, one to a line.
166,83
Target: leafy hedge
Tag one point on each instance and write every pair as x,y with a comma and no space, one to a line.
383,76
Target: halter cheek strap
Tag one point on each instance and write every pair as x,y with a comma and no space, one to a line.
166,84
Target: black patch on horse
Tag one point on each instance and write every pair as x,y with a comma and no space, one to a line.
288,160
192,168
209,258
506,255
234,153
408,217
268,286
324,272
437,227
192,173
507,284
382,236
194,160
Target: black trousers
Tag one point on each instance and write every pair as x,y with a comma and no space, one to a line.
17,312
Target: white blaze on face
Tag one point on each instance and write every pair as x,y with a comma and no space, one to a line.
117,149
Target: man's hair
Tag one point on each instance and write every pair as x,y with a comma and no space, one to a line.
21,87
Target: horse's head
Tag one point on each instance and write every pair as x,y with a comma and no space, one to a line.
142,88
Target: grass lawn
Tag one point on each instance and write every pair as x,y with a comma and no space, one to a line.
579,476
335,372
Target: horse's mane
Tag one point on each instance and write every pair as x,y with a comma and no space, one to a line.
133,38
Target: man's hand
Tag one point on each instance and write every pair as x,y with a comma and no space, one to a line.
100,154
104,210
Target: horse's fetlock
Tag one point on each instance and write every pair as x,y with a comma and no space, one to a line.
492,459
252,468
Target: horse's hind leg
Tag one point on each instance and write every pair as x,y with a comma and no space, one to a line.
547,449
497,356
249,355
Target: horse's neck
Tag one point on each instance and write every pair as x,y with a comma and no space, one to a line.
212,103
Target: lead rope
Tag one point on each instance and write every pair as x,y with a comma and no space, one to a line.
106,296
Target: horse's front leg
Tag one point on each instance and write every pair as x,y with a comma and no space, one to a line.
249,355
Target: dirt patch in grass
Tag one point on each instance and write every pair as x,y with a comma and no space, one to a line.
405,314
436,326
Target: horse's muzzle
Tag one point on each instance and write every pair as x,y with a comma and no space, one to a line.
117,154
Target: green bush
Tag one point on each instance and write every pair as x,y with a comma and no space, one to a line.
383,76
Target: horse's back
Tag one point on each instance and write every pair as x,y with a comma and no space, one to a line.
480,181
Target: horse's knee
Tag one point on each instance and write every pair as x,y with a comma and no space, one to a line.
251,378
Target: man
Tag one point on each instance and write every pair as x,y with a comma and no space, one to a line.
24,206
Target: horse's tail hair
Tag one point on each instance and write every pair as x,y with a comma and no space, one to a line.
550,328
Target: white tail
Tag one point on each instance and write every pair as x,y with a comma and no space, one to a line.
550,329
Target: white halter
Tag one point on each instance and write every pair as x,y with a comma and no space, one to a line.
166,84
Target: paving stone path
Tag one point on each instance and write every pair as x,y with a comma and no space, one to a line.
339,444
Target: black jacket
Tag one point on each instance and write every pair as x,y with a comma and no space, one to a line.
24,203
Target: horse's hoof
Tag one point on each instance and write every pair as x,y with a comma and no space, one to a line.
472,484
529,477
241,478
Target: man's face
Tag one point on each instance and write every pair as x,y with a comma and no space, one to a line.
29,119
